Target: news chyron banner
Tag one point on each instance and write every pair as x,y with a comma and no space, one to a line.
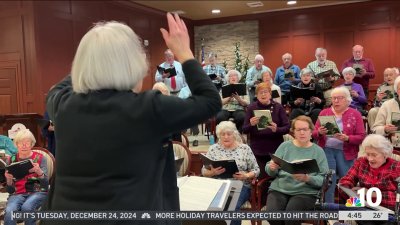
199,215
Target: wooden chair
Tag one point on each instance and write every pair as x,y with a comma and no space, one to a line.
262,190
185,140
181,151
51,161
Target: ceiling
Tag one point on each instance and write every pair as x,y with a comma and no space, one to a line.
199,10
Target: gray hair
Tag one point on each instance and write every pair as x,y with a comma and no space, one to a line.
378,142
168,52
23,134
288,54
228,126
232,72
344,91
349,70
212,55
396,83
258,56
109,56
268,70
306,71
320,50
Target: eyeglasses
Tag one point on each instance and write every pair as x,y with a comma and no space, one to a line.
25,143
338,98
302,129
263,92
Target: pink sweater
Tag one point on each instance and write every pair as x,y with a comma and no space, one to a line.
353,126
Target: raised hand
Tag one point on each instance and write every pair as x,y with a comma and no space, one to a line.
177,38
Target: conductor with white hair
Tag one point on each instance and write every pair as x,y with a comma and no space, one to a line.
253,76
113,151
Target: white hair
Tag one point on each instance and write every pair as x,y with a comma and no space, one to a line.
109,56
320,50
306,71
260,57
379,143
343,90
268,70
228,126
232,72
349,70
23,134
288,54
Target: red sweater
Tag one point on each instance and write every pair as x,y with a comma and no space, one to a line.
383,178
353,126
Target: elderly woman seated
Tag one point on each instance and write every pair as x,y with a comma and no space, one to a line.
230,146
233,106
384,92
359,100
294,192
29,192
311,106
375,169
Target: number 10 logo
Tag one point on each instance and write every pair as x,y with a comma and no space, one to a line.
369,195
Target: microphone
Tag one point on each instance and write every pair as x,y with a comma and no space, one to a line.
325,185
397,207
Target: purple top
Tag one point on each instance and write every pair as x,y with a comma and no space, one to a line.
368,66
264,142
361,100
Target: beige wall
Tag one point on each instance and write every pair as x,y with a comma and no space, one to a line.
221,39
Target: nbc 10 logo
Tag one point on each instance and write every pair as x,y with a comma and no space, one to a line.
373,197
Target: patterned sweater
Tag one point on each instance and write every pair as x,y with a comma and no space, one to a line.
383,178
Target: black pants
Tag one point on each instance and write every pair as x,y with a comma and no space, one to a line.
237,115
298,112
277,201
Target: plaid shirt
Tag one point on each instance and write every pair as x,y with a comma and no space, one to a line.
316,68
217,70
383,178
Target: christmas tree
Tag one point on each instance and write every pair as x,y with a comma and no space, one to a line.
239,66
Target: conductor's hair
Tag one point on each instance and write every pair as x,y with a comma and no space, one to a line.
109,56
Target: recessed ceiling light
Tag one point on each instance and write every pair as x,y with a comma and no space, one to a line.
291,2
179,12
254,4
215,11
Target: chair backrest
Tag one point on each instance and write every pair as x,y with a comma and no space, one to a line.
181,151
185,140
51,162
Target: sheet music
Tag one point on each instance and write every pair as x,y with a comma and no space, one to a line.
197,193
